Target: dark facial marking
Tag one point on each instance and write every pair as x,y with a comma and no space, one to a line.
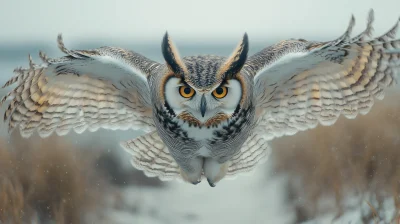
171,56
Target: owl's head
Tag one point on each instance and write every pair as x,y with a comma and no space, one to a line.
205,90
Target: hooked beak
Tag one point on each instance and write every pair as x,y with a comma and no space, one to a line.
203,105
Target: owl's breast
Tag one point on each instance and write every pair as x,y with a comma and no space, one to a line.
203,136
187,140
198,133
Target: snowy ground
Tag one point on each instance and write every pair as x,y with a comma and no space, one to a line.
248,199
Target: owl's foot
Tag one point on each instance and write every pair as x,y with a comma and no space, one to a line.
210,183
196,182
214,171
193,173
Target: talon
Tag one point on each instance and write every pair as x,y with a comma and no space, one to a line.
210,183
196,182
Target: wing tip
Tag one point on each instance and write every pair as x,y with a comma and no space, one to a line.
44,57
370,20
351,25
61,45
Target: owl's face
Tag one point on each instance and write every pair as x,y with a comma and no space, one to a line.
203,107
206,90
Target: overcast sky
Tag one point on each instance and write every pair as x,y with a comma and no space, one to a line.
185,20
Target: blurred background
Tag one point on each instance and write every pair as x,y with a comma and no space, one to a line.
346,173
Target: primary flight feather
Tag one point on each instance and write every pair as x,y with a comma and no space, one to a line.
205,116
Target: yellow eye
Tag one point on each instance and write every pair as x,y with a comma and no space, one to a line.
220,92
186,91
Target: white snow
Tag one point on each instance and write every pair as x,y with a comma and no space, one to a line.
247,199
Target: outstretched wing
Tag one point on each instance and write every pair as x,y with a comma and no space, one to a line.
87,89
299,84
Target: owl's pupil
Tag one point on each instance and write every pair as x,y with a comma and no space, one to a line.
219,90
187,90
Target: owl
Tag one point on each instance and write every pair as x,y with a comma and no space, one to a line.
204,117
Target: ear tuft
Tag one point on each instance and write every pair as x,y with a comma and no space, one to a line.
236,61
172,57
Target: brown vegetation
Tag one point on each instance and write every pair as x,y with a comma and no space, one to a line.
353,157
45,181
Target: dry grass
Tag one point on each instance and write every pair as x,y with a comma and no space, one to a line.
46,181
354,157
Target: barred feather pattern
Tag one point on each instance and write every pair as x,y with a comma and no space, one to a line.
301,84
150,155
254,152
59,96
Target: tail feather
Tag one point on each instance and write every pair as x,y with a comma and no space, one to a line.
254,151
150,155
